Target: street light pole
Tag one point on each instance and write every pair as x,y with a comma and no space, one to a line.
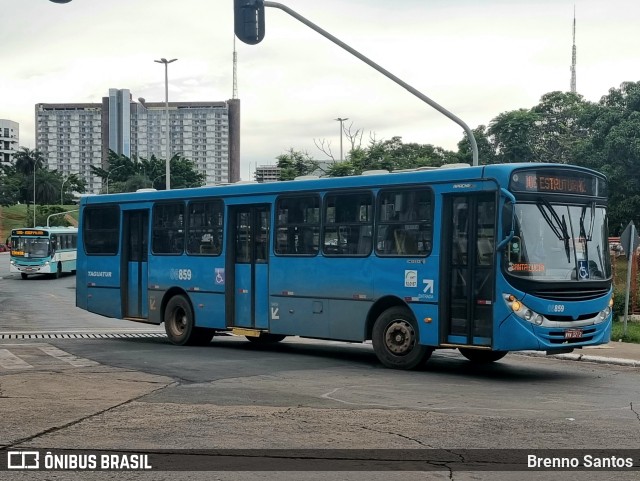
153,182
109,175
166,107
34,192
62,191
341,130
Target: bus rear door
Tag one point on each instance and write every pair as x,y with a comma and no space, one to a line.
135,264
247,293
467,268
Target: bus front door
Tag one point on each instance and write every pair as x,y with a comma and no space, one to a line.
134,279
248,291
467,257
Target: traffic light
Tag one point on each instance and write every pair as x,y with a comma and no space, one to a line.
249,20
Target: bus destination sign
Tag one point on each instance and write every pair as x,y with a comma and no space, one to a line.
28,232
557,182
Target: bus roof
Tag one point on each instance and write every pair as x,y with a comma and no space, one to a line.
421,175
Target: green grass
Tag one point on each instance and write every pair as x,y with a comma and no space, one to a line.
633,332
15,216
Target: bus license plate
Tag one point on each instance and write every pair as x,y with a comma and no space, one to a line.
573,334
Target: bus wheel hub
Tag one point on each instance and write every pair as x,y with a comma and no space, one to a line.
399,337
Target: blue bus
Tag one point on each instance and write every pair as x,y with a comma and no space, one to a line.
485,259
43,250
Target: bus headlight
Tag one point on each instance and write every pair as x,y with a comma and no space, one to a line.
604,314
522,311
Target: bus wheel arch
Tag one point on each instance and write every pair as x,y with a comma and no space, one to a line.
378,308
395,338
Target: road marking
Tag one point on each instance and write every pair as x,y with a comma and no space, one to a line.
66,357
11,361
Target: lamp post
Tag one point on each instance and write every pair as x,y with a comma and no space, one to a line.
341,130
166,108
153,182
109,175
62,191
34,192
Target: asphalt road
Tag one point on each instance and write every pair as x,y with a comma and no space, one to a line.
142,393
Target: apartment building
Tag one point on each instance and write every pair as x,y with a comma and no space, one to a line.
9,139
73,137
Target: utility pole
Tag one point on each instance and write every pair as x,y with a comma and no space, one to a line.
573,55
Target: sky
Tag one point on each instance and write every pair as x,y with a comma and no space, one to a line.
476,58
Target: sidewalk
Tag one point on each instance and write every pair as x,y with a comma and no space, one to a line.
619,353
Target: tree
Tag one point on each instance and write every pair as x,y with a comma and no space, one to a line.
613,148
10,183
294,163
27,162
128,175
512,136
559,127
486,151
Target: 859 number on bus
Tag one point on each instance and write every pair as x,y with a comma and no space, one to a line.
181,274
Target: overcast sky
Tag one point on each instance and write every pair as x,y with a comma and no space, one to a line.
475,58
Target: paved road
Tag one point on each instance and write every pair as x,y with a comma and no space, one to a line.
135,392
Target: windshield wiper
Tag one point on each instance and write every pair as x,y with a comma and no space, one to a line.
583,232
559,228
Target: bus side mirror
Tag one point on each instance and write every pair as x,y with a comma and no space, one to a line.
511,200
249,20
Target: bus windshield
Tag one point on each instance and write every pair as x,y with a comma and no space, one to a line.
32,247
559,242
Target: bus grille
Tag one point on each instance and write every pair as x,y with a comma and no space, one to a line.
582,317
570,294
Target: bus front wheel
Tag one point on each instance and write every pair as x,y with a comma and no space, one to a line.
482,357
23,275
179,324
395,340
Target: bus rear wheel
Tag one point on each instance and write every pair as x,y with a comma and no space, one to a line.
482,357
179,324
395,340
266,338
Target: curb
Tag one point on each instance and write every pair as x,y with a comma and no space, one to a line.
583,357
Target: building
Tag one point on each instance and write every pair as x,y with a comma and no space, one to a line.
73,137
9,139
267,173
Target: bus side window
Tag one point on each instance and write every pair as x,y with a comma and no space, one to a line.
204,227
348,224
298,225
168,228
405,226
101,230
